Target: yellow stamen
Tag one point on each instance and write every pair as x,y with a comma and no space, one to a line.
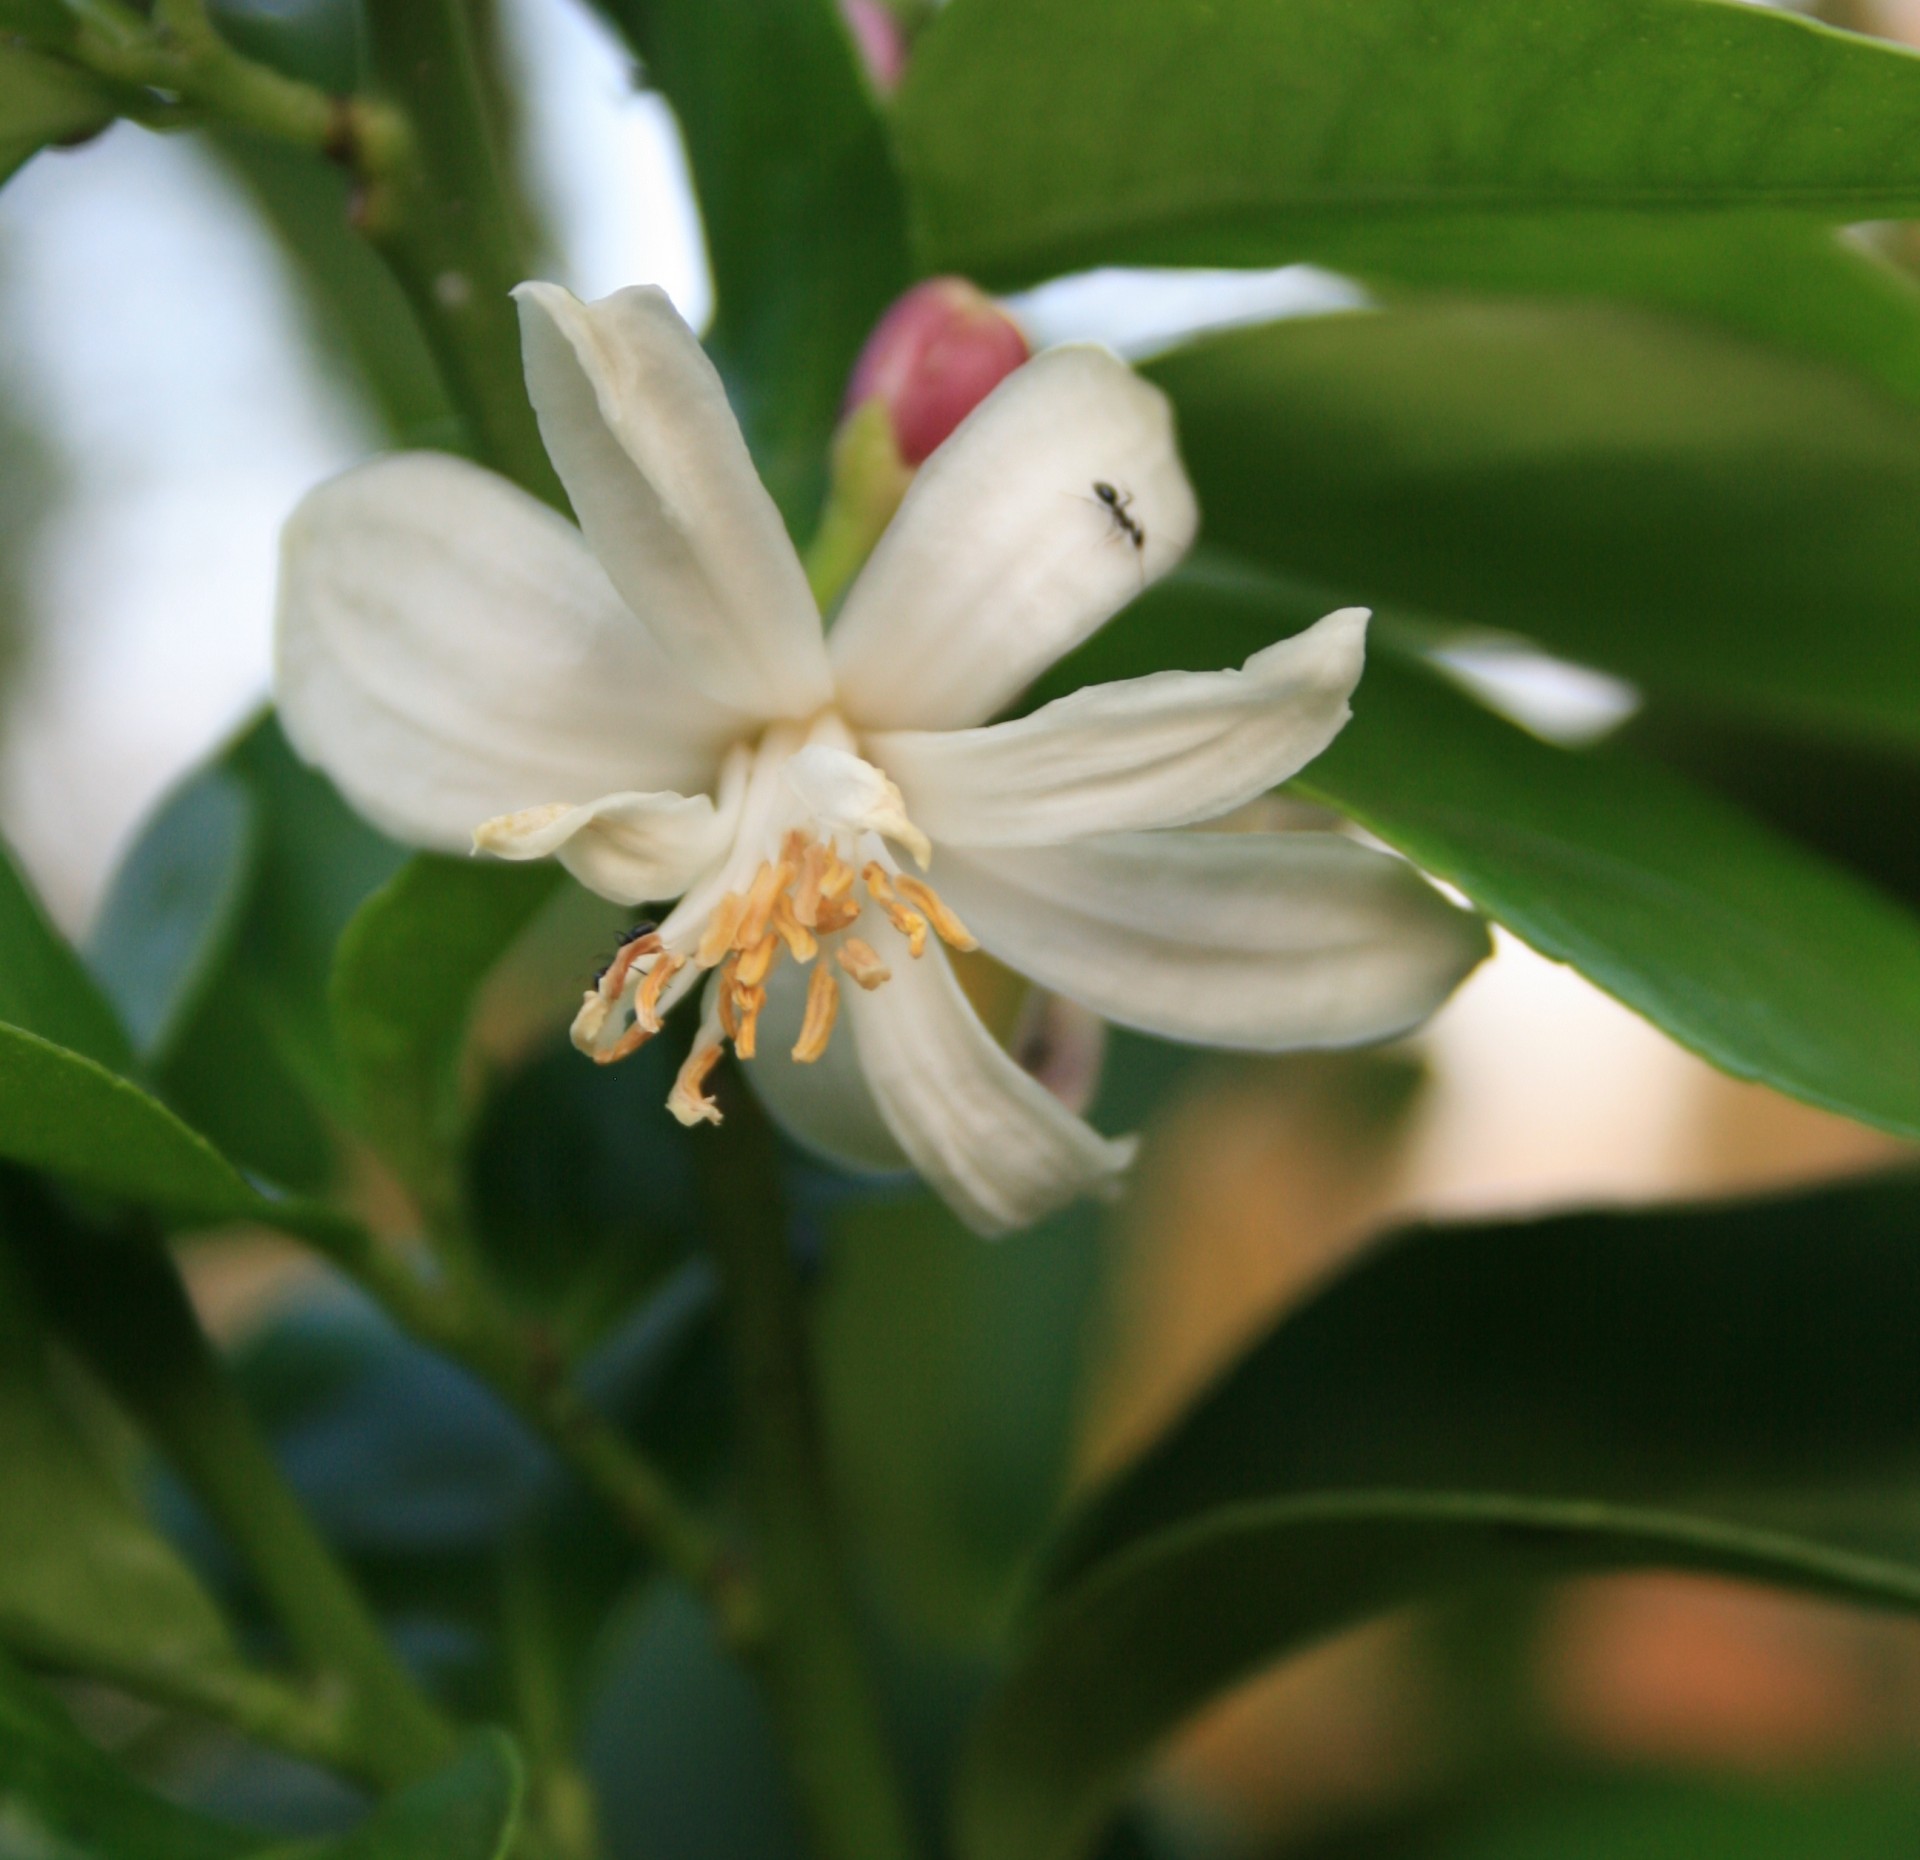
823,1009
747,1003
688,1100
801,943
723,999
924,898
910,924
751,966
813,870
646,1004
594,1009
718,936
838,878
859,959
837,914
628,1043
624,958
768,883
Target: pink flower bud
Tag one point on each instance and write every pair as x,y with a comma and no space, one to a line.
882,44
934,357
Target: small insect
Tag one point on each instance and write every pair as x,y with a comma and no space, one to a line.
639,930
1119,506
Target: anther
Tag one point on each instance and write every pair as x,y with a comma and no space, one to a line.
910,924
717,939
860,960
768,883
802,944
823,1009
924,898
646,1005
747,1003
642,940
750,969
628,1043
688,1100
592,1018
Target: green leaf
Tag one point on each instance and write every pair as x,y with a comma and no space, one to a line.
1749,950
1710,518
470,1811
67,1800
409,967
44,102
1727,1389
169,919
805,226
44,987
82,1574
1042,135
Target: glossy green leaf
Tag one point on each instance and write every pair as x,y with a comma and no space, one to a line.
470,1811
805,226
82,1574
1749,950
409,967
170,917
1043,135
1709,518
1724,1389
44,986
43,102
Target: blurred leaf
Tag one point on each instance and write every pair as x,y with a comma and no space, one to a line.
408,968
1749,950
1709,519
1043,135
44,986
804,221
43,102
173,910
1722,1389
66,1114
582,1189
255,1067
82,1573
63,1799
317,41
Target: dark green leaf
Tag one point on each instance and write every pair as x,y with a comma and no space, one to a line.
1708,518
169,919
806,231
408,969
1043,135
82,1573
41,102
1727,1389
470,1811
44,987
1751,951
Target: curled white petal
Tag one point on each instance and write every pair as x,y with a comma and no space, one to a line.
632,848
841,790
1162,751
995,1144
447,649
1004,554
1261,941
638,426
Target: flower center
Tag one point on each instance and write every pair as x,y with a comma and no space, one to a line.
809,858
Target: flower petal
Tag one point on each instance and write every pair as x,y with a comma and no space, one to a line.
1003,555
840,790
1162,751
826,1106
1262,941
632,848
448,650
638,426
998,1147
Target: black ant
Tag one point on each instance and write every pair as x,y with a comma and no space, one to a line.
633,936
1119,506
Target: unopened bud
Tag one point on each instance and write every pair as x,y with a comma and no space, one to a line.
934,357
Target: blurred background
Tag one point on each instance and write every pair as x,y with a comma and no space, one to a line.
164,400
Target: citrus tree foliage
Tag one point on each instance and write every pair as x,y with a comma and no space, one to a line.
647,1492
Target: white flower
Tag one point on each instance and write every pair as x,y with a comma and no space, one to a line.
658,707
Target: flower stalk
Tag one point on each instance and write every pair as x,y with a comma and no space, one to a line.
816,1667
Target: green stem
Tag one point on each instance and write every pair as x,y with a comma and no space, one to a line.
464,1322
121,1301
813,1657
561,1799
449,228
